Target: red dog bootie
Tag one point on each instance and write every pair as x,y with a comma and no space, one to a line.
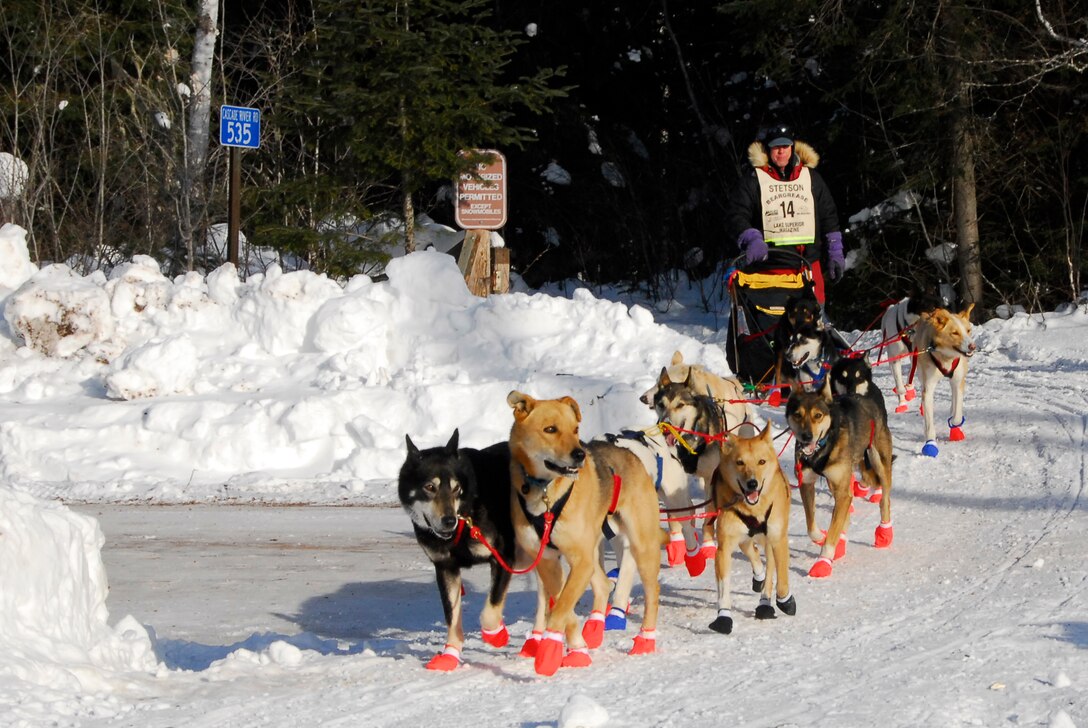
695,562
532,644
840,547
645,642
876,495
549,656
821,569
593,630
577,657
883,538
675,549
446,660
709,549
775,399
955,432
497,637
860,489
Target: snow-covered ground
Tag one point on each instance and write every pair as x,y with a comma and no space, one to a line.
223,397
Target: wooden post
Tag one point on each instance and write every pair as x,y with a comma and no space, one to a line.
234,196
500,270
475,261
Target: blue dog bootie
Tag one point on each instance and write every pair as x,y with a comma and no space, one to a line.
930,449
616,619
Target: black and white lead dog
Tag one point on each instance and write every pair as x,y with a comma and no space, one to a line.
441,489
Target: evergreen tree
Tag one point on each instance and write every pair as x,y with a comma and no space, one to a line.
394,89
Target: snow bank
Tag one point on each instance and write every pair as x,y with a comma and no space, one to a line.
53,629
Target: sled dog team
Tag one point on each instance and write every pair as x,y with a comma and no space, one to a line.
546,497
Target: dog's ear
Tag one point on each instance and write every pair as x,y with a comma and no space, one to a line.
966,313
826,391
939,318
687,379
413,451
522,403
767,433
451,446
663,378
677,358
573,405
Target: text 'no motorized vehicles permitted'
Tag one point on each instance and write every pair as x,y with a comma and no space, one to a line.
481,194
239,126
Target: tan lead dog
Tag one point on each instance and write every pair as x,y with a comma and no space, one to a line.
943,343
582,486
752,498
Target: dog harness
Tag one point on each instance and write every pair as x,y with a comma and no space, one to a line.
537,521
754,524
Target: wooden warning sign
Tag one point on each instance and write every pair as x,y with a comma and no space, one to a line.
481,197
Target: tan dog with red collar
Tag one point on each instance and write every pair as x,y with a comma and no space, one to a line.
584,486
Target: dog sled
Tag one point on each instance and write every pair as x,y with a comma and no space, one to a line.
757,300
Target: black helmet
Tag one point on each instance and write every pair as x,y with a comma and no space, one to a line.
777,135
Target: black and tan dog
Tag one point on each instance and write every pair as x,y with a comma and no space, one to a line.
579,488
798,311
812,351
853,375
752,498
834,437
441,489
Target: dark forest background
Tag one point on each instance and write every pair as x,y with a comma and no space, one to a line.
952,134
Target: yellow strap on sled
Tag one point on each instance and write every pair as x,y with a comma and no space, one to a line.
771,280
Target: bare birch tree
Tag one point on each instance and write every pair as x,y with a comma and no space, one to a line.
193,198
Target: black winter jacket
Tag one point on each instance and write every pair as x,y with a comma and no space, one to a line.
744,211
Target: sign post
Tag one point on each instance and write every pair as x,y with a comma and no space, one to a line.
481,207
239,128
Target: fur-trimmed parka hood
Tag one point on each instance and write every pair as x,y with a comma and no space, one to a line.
757,154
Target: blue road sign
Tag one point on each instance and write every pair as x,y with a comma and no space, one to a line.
239,126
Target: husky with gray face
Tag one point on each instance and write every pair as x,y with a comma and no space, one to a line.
446,491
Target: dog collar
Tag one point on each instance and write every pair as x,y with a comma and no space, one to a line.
531,482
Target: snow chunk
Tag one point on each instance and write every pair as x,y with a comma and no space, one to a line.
58,313
15,266
556,174
581,711
13,176
53,629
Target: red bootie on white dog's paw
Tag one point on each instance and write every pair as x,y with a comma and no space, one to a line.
532,644
645,643
498,637
955,432
708,550
549,655
775,400
883,537
446,660
696,563
821,569
675,549
593,630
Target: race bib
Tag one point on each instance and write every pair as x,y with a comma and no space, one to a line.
789,213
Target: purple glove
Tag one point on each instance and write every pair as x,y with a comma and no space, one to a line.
751,242
836,263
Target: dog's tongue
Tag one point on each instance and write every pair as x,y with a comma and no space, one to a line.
752,497
670,439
